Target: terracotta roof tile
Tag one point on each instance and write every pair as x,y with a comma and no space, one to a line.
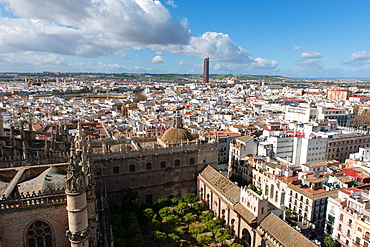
244,138
224,185
284,233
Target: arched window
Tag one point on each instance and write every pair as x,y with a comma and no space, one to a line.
39,235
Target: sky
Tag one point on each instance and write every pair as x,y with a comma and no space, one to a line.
300,39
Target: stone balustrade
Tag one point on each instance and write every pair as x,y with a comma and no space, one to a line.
33,199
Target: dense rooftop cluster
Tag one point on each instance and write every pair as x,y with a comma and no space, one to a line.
301,146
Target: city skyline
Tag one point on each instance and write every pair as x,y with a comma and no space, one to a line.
306,39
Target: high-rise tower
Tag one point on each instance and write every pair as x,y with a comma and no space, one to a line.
206,70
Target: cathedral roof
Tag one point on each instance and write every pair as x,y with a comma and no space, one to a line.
3,186
51,178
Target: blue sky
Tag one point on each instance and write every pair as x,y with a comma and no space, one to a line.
305,38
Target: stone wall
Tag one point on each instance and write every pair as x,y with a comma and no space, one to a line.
224,209
14,225
171,173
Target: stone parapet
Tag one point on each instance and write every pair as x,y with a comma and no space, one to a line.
33,160
159,151
29,200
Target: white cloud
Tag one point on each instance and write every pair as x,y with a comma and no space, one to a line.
24,34
298,48
36,62
182,62
262,66
158,59
264,63
161,53
118,23
310,54
27,61
358,59
310,60
171,3
219,48
310,63
95,28
122,54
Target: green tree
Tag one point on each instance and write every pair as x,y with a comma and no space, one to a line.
222,160
159,236
173,236
253,187
190,198
137,241
179,232
133,230
129,218
222,235
119,242
185,244
237,245
118,234
198,206
213,225
164,212
204,239
206,216
182,208
198,229
160,203
171,221
176,200
148,214
154,224
189,218
288,212
329,241
129,200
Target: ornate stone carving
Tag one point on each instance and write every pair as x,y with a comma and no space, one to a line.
78,236
76,181
80,139
86,162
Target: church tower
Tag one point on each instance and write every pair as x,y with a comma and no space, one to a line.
77,206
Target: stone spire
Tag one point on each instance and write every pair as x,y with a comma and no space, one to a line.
24,149
75,178
53,141
1,123
80,138
23,136
30,121
12,136
77,206
86,162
